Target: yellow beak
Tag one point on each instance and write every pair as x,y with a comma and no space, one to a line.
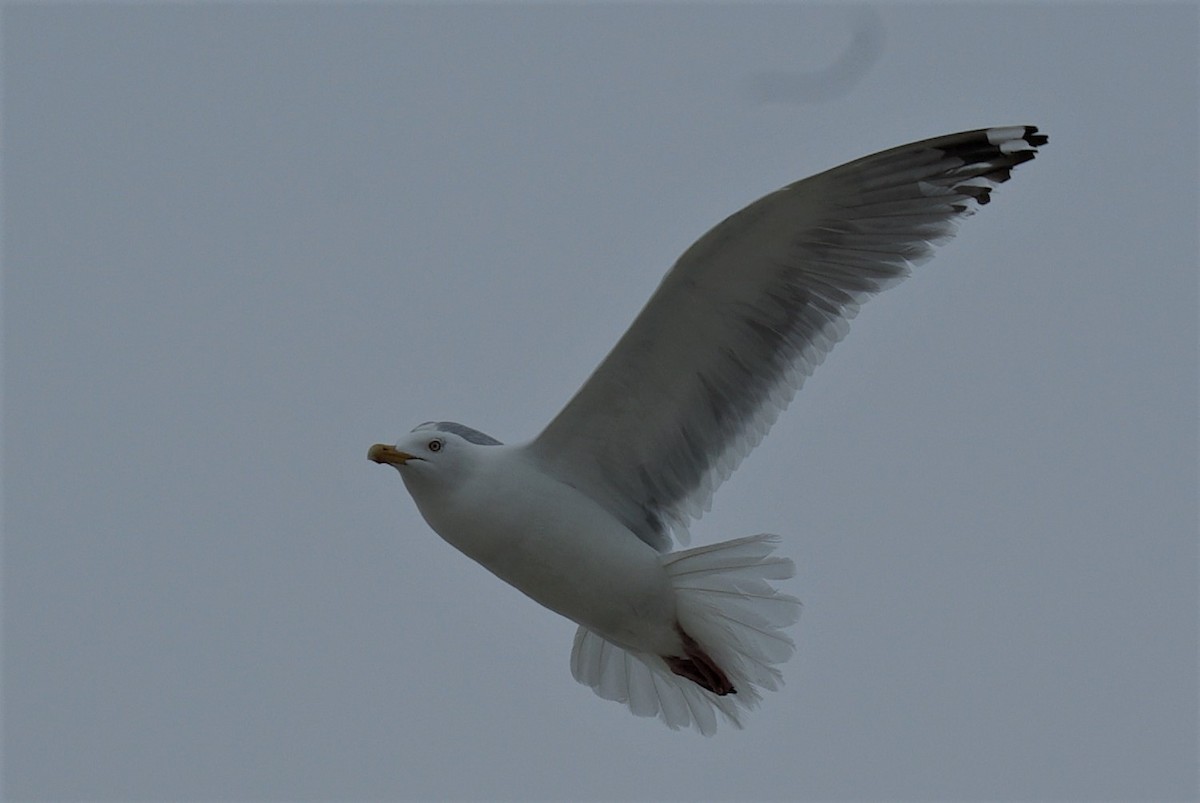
382,453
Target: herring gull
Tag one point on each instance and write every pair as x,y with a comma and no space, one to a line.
582,518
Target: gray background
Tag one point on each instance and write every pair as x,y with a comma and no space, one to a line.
244,242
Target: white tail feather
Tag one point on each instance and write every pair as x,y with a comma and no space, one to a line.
726,605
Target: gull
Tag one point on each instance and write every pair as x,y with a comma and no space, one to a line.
583,517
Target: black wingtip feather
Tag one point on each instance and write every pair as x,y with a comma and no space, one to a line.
1035,139
1021,157
991,154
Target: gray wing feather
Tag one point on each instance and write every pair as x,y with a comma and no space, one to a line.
748,312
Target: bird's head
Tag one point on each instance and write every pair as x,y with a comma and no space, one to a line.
436,452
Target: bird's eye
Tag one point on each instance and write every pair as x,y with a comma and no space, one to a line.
435,445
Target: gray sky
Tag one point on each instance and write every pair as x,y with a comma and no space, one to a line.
244,242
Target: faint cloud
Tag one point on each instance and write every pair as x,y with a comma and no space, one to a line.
834,81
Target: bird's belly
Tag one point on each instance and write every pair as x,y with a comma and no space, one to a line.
567,553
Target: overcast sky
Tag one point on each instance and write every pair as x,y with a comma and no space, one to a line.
244,242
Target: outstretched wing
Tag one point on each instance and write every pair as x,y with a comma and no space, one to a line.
748,312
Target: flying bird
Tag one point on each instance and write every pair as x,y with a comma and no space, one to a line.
583,517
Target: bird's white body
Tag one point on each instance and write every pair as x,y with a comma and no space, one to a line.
582,517
551,542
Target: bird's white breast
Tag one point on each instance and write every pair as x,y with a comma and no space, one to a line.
556,545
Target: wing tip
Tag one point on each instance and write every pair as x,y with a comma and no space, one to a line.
989,155
1034,137
1015,138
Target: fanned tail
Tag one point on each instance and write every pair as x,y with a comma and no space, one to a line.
735,620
